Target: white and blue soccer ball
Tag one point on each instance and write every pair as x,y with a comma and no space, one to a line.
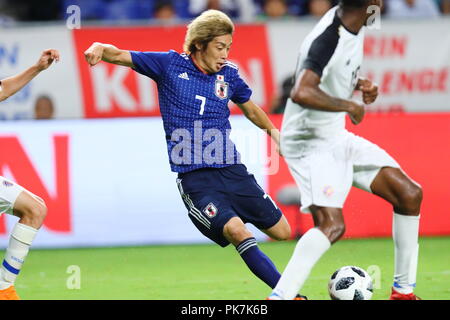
350,283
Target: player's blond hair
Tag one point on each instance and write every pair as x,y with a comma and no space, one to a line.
204,28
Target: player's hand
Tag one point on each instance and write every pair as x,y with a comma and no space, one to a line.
47,58
275,134
356,112
368,89
94,54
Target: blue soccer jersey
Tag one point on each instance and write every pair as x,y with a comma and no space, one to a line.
194,108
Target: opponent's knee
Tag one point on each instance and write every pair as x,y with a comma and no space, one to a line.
410,200
34,214
334,231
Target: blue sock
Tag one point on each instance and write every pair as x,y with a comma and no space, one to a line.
258,262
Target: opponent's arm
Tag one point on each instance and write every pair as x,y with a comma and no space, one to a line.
11,85
256,115
106,52
308,94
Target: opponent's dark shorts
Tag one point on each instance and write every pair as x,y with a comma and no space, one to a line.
213,196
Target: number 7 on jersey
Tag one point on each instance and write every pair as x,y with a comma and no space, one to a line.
202,106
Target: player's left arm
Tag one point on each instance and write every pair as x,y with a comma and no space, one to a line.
369,90
257,115
11,85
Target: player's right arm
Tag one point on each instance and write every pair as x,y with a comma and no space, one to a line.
106,52
307,93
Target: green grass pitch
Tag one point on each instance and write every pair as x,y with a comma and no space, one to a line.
208,272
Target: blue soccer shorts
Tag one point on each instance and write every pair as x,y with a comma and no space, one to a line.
213,196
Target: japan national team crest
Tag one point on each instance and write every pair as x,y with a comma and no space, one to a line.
210,210
221,87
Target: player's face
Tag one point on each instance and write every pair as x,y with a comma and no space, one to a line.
215,55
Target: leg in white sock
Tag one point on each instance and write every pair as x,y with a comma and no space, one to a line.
311,246
19,244
405,232
405,195
32,211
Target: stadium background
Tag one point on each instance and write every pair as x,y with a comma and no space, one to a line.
101,163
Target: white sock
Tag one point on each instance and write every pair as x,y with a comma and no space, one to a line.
405,232
19,244
311,246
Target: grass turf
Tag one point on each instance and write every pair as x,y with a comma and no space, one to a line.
208,272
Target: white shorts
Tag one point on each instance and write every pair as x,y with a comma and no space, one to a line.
325,176
9,191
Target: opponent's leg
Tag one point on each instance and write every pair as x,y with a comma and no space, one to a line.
237,233
32,212
329,227
393,185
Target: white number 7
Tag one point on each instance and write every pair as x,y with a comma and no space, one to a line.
202,106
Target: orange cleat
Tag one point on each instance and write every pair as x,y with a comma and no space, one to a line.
9,294
400,296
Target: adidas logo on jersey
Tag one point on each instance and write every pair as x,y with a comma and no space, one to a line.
184,76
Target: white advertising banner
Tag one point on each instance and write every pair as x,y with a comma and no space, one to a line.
409,59
108,182
20,48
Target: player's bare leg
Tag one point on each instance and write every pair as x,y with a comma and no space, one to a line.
330,221
32,211
237,233
405,195
280,231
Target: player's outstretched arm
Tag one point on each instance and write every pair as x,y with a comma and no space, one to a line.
106,52
307,93
257,115
11,85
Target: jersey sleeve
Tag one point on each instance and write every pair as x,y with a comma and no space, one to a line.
151,64
241,91
322,49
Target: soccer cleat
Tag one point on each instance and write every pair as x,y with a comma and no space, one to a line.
9,294
300,297
400,296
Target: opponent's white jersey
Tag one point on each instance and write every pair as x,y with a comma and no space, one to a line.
336,55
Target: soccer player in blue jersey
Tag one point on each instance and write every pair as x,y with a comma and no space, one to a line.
16,200
194,88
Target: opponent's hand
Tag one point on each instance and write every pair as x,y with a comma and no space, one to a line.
356,112
94,54
47,58
368,89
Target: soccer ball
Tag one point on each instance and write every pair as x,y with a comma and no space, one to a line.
350,283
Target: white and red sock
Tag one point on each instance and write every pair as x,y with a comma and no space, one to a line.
405,232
